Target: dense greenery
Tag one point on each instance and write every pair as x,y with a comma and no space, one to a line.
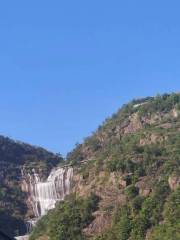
170,228
15,154
67,220
133,220
150,150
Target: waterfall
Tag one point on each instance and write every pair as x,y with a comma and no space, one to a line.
26,237
44,195
30,224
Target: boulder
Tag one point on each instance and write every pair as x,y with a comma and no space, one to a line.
174,182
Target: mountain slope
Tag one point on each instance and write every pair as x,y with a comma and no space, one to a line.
15,157
132,164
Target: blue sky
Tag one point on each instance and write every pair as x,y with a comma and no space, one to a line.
67,65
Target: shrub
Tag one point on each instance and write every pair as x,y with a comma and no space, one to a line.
131,191
67,220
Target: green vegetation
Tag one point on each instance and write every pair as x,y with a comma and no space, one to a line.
170,228
130,224
131,191
67,220
141,141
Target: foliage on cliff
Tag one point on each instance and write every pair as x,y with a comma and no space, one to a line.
132,163
67,220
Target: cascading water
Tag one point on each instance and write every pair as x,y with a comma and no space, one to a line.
44,195
54,189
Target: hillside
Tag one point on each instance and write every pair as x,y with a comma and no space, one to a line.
126,178
16,157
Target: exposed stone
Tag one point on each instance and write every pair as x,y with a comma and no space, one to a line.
145,192
101,223
133,125
144,188
166,125
151,139
174,182
112,178
123,183
175,113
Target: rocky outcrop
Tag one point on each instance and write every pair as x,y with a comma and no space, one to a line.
144,187
100,224
133,125
174,182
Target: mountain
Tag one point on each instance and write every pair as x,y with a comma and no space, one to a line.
126,178
15,158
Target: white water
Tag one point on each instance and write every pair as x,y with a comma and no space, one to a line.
26,237
44,195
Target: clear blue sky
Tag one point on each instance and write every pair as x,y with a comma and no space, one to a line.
67,65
